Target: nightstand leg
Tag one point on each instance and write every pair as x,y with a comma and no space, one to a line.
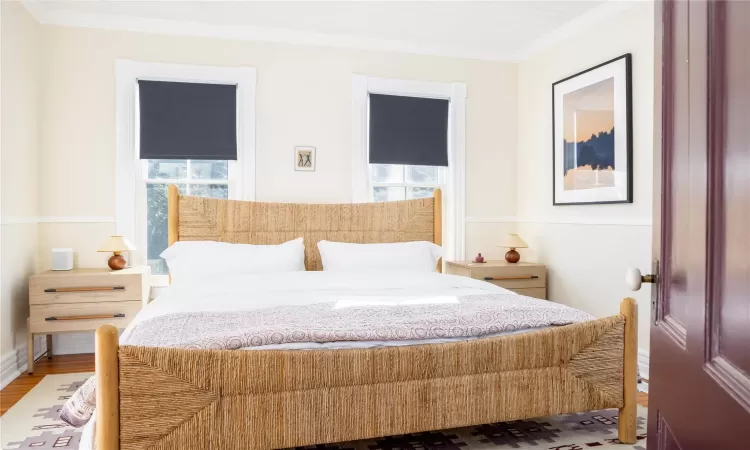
30,348
49,346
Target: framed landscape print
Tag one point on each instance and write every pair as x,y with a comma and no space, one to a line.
592,142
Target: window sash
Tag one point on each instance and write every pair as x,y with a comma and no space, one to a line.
441,183
141,208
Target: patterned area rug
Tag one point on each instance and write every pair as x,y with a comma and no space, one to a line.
33,423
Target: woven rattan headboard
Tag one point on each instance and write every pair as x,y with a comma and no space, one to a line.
207,219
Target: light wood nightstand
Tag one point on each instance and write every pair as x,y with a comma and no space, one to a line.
82,300
528,279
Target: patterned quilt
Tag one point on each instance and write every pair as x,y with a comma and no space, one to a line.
379,319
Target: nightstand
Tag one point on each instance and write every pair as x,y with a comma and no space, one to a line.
528,279
82,300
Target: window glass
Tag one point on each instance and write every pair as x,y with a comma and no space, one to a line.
156,225
209,170
387,173
174,169
422,174
210,190
389,193
419,192
180,172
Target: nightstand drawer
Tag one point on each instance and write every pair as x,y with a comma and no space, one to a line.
529,279
532,292
85,288
512,277
82,316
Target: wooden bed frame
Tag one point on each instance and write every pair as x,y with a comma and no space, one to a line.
167,398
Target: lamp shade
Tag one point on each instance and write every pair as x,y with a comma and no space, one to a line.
512,241
116,244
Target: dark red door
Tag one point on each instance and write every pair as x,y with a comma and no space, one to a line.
700,334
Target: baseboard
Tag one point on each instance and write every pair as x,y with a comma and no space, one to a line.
73,343
14,362
643,356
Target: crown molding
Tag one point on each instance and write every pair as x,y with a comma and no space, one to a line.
48,16
60,17
577,25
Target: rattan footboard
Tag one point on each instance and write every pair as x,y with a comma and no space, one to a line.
160,398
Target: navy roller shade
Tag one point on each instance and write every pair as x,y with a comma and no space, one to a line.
408,130
188,120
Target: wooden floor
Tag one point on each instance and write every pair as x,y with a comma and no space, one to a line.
58,364
83,363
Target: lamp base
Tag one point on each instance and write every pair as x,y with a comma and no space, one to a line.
116,262
512,256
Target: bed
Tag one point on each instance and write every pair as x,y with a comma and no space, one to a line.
167,398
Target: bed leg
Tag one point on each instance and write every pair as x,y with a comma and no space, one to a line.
628,418
107,393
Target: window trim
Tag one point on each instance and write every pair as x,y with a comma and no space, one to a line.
454,214
129,180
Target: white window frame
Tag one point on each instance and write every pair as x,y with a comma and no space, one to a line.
454,205
130,193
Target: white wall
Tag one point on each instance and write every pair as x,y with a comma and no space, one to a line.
19,103
303,98
586,259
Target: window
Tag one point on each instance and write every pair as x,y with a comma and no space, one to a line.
387,178
141,203
202,178
402,182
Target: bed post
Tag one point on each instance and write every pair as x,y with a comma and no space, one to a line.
173,215
437,222
107,390
627,423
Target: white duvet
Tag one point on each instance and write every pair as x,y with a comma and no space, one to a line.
244,293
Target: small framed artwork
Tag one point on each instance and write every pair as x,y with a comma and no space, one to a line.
592,135
304,159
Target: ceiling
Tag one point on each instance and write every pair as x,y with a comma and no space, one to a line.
494,30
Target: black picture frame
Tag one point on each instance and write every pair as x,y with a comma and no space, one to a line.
629,130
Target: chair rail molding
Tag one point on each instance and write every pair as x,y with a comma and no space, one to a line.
603,221
56,219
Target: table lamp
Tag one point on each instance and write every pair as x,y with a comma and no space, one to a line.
512,241
116,244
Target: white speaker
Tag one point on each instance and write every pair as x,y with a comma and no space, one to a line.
62,259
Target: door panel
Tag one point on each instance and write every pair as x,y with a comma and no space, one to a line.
729,192
673,312
667,440
674,308
700,339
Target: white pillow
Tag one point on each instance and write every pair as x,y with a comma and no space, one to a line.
190,259
418,256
